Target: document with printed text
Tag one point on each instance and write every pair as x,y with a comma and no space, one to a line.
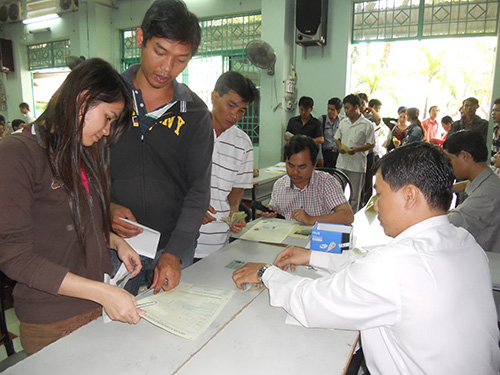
187,310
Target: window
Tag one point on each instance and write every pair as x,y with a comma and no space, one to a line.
390,20
48,55
222,48
130,53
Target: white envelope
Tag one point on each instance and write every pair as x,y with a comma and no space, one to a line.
146,242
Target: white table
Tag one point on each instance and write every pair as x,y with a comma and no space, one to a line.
262,185
249,336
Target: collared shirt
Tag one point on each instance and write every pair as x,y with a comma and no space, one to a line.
423,302
479,213
329,132
147,119
29,117
318,198
431,128
232,167
355,135
312,128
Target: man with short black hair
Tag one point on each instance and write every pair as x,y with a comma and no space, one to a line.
232,160
354,137
469,120
423,302
446,122
430,124
25,110
305,194
479,213
330,123
160,170
18,125
370,112
305,123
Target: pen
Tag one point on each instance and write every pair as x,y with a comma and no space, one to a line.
141,305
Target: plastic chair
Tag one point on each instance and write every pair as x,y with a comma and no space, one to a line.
342,178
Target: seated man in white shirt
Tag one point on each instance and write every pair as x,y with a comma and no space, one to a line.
423,302
232,160
305,194
479,213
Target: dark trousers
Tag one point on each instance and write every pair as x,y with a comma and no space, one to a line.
367,191
330,158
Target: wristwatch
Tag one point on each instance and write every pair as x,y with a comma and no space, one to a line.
261,271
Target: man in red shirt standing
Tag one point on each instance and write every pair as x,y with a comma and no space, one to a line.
431,125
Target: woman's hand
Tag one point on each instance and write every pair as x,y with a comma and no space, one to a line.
120,304
127,255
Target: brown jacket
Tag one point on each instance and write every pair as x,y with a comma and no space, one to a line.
38,243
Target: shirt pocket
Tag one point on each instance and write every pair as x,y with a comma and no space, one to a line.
358,138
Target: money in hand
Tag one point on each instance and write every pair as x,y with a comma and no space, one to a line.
236,217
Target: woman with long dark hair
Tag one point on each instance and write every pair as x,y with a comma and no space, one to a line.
54,204
415,131
398,132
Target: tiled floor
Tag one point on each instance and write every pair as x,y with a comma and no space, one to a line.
13,327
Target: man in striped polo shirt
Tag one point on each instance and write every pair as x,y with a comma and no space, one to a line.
305,194
232,160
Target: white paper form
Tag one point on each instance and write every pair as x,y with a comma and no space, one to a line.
187,310
144,243
273,231
121,278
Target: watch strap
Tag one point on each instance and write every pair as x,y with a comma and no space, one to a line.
261,271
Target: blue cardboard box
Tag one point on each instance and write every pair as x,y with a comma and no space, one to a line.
331,238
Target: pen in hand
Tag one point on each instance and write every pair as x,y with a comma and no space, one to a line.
141,305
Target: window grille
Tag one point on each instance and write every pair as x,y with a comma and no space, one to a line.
388,20
48,55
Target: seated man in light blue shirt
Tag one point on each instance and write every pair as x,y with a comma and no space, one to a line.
479,213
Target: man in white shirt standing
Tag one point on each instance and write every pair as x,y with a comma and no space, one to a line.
232,160
354,137
24,108
423,302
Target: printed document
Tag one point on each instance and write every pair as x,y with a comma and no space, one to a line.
273,231
187,310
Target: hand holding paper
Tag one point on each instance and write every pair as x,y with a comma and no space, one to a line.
145,243
123,228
